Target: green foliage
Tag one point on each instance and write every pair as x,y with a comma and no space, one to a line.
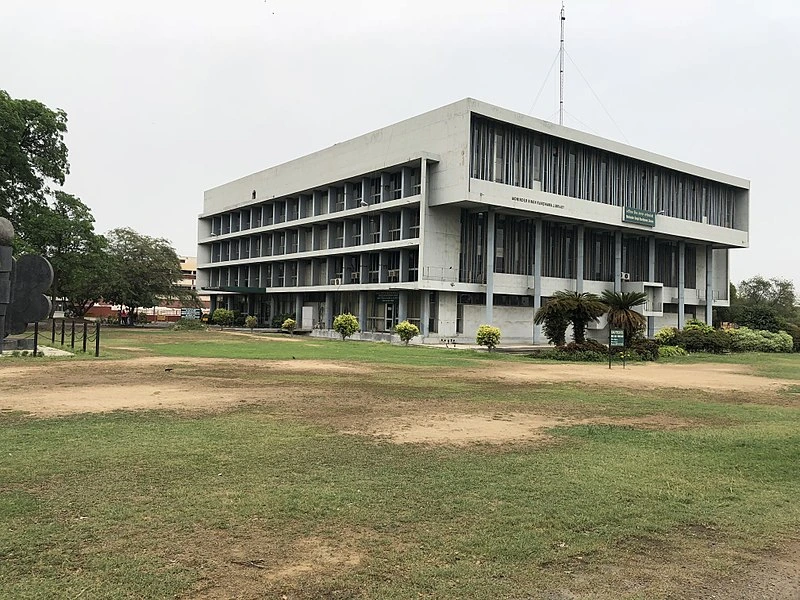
554,316
488,336
277,320
762,317
289,325
407,331
582,308
250,322
222,317
141,318
699,339
695,325
794,330
33,155
666,336
580,356
146,270
188,325
621,313
346,325
645,349
745,339
671,351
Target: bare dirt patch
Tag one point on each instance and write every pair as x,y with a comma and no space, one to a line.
459,430
712,377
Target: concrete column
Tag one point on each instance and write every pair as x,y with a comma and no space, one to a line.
384,187
403,265
537,277
407,179
365,191
298,312
424,312
364,230
651,276
362,310
214,306
348,196
402,306
405,219
328,310
709,284
384,227
490,253
579,258
618,261
273,306
681,284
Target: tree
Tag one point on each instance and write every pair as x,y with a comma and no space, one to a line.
761,303
251,322
621,313
345,325
582,308
222,317
32,155
488,336
407,331
146,270
555,319
63,232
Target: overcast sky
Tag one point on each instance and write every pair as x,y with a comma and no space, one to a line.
169,98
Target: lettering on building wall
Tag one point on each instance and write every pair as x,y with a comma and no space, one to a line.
536,202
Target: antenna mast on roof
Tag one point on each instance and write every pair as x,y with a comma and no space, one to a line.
561,74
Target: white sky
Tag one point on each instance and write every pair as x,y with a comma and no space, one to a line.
169,98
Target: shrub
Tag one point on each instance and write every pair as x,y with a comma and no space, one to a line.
794,331
579,355
645,349
586,346
250,322
745,339
188,325
670,351
666,336
699,339
695,325
277,320
407,331
345,325
488,336
222,317
141,318
289,325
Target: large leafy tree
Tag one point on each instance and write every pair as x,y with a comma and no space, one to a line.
146,270
63,232
555,318
33,155
622,313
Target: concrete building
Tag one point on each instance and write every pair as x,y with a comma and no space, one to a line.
465,215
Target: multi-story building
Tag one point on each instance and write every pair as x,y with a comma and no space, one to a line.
465,215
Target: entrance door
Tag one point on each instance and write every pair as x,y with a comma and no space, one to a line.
389,316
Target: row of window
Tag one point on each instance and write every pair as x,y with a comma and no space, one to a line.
397,266
515,156
385,187
514,244
369,229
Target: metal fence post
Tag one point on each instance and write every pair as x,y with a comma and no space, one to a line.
97,340
35,338
72,336
53,336
63,326
85,324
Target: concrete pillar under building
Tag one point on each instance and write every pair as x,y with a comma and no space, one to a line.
681,284
328,310
490,253
651,276
298,312
273,306
424,312
579,260
537,277
709,284
618,261
362,311
402,306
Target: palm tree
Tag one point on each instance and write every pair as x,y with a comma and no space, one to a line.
556,320
582,308
622,315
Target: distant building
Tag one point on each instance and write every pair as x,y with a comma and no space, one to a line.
465,215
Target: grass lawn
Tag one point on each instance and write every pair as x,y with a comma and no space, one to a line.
276,499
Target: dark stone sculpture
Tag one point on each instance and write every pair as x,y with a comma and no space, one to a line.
22,286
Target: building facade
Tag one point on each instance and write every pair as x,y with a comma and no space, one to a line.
465,215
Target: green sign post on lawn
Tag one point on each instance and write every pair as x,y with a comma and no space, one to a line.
616,338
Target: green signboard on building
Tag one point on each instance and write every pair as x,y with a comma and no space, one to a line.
638,216
617,337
